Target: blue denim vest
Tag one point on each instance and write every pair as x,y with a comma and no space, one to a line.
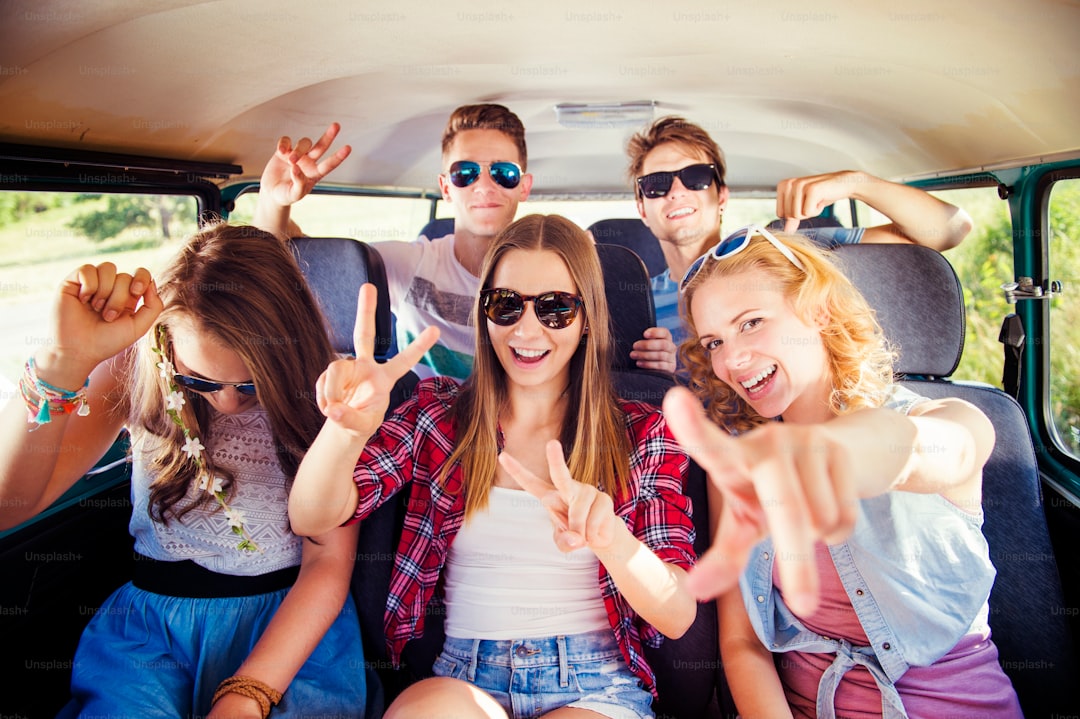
917,571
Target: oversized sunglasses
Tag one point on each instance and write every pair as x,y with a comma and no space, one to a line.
733,244
693,177
199,384
556,310
465,172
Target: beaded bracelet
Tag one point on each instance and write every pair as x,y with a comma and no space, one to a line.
48,400
264,694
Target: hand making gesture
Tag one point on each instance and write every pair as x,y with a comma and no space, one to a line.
355,393
293,170
785,480
581,514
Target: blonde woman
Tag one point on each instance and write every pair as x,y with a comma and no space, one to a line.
850,506
547,512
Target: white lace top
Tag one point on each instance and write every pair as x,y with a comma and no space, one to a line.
243,444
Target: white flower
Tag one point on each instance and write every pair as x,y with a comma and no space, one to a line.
236,519
193,447
175,401
165,369
217,486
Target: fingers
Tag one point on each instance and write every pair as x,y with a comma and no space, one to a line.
791,224
528,481
152,307
400,364
573,493
711,447
718,569
107,292
657,351
326,166
364,330
789,522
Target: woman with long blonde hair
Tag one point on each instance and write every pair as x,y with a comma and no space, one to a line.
534,441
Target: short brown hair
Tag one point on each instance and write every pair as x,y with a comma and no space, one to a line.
486,117
672,129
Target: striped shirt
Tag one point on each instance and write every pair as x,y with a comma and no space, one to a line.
412,446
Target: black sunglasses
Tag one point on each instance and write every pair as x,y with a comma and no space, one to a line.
693,177
556,310
465,172
199,384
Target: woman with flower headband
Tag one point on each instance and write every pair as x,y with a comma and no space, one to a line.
855,522
211,369
534,442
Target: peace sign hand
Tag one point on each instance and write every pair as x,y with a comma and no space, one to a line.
582,515
293,171
355,393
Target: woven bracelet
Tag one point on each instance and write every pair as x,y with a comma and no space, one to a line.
263,693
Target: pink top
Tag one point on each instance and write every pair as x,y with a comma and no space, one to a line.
966,682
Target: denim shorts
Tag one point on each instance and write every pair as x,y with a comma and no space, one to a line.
530,677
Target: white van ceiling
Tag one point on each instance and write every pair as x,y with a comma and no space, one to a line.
786,88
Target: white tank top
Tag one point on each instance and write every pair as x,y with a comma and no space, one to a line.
506,579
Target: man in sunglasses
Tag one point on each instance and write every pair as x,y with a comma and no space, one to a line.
678,174
436,282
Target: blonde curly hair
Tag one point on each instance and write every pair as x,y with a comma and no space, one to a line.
860,358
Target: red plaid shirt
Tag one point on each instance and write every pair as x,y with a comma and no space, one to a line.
415,442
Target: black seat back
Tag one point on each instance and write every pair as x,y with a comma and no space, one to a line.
439,227
920,305
632,234
687,669
335,268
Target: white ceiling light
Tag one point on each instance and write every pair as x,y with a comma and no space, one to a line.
604,114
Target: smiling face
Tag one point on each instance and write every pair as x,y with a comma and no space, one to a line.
683,217
197,356
483,208
532,354
760,347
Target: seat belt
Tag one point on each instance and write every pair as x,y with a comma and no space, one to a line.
1013,338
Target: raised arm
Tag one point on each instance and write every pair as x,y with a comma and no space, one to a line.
915,216
96,316
354,395
800,483
289,176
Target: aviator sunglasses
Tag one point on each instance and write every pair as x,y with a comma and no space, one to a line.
733,244
199,384
693,177
465,172
555,310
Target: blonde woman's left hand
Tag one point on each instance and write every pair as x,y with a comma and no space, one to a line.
581,514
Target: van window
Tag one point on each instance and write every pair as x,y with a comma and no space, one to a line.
361,217
46,235
1064,259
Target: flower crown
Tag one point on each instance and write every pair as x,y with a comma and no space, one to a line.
213,486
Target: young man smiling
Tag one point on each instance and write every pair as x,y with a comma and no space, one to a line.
431,283
678,176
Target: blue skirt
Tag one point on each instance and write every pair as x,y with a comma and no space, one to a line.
151,655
